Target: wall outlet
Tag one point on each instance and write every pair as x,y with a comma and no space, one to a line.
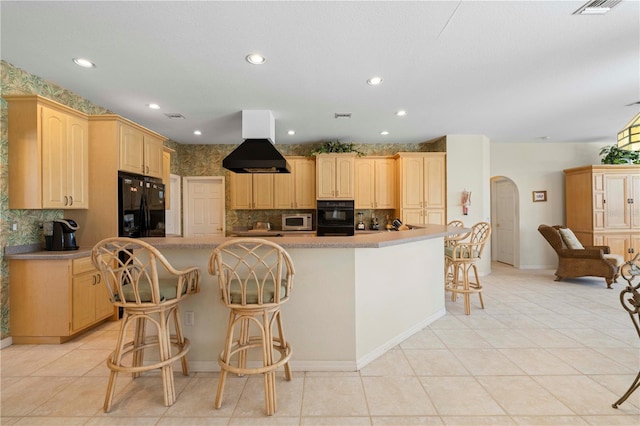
14,227
189,318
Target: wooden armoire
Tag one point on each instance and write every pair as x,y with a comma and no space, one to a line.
602,206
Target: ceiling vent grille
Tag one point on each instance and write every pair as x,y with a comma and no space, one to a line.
175,115
342,115
595,7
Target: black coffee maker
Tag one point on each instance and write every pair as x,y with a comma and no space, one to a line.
60,234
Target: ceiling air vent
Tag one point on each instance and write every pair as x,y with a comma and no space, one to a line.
342,115
175,115
597,7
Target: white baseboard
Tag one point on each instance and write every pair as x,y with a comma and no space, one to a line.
384,348
6,342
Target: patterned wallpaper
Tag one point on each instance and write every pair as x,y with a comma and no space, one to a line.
14,82
188,160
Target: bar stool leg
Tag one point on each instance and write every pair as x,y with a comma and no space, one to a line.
224,359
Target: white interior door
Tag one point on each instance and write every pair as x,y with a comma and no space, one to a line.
173,218
504,229
203,206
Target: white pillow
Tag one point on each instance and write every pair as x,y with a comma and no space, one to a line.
570,239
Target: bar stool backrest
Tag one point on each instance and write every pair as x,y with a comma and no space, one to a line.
252,271
137,274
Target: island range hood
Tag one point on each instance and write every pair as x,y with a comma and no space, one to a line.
257,154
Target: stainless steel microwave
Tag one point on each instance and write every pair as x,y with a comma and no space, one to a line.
297,222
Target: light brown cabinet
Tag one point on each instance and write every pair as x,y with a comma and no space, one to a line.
602,206
421,187
166,176
296,190
375,183
335,176
140,152
251,191
105,133
54,300
48,153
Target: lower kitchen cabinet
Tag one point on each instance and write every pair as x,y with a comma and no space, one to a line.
53,300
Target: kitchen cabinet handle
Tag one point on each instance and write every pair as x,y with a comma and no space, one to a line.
94,280
99,278
71,200
66,200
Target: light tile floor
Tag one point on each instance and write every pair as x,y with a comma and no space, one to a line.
542,352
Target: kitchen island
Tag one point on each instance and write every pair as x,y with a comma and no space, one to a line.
353,298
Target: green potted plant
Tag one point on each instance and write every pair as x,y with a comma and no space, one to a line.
613,155
334,147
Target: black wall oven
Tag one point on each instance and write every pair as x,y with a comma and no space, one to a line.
335,217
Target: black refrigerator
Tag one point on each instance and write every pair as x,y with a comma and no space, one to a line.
140,206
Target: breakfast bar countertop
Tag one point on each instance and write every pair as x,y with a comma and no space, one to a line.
298,239
365,239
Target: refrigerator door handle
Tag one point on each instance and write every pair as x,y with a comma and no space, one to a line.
143,216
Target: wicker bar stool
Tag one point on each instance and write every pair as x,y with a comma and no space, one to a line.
130,268
255,277
460,259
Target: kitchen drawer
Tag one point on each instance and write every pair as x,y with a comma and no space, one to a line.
82,265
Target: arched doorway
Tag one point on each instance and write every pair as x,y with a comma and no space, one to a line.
505,217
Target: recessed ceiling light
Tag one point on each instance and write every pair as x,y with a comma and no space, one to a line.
256,59
197,132
401,113
374,81
153,106
384,133
84,63
291,132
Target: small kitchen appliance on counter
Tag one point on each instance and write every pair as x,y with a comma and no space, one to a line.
360,226
375,226
261,226
60,235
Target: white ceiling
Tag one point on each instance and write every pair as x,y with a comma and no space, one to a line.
515,71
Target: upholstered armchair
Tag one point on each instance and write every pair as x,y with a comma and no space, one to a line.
576,260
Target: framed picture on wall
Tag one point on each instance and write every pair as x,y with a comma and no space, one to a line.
539,196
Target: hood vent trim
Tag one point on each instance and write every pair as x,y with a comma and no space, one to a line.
256,156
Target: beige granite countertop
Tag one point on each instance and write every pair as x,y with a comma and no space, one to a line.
360,240
366,239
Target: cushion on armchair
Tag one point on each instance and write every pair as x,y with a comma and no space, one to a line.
570,239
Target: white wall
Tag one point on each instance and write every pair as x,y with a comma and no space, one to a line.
538,167
468,167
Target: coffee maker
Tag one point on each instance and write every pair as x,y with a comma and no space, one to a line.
60,234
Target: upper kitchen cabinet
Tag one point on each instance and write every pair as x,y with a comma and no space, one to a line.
251,191
296,190
140,152
602,205
375,183
335,176
422,187
48,153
